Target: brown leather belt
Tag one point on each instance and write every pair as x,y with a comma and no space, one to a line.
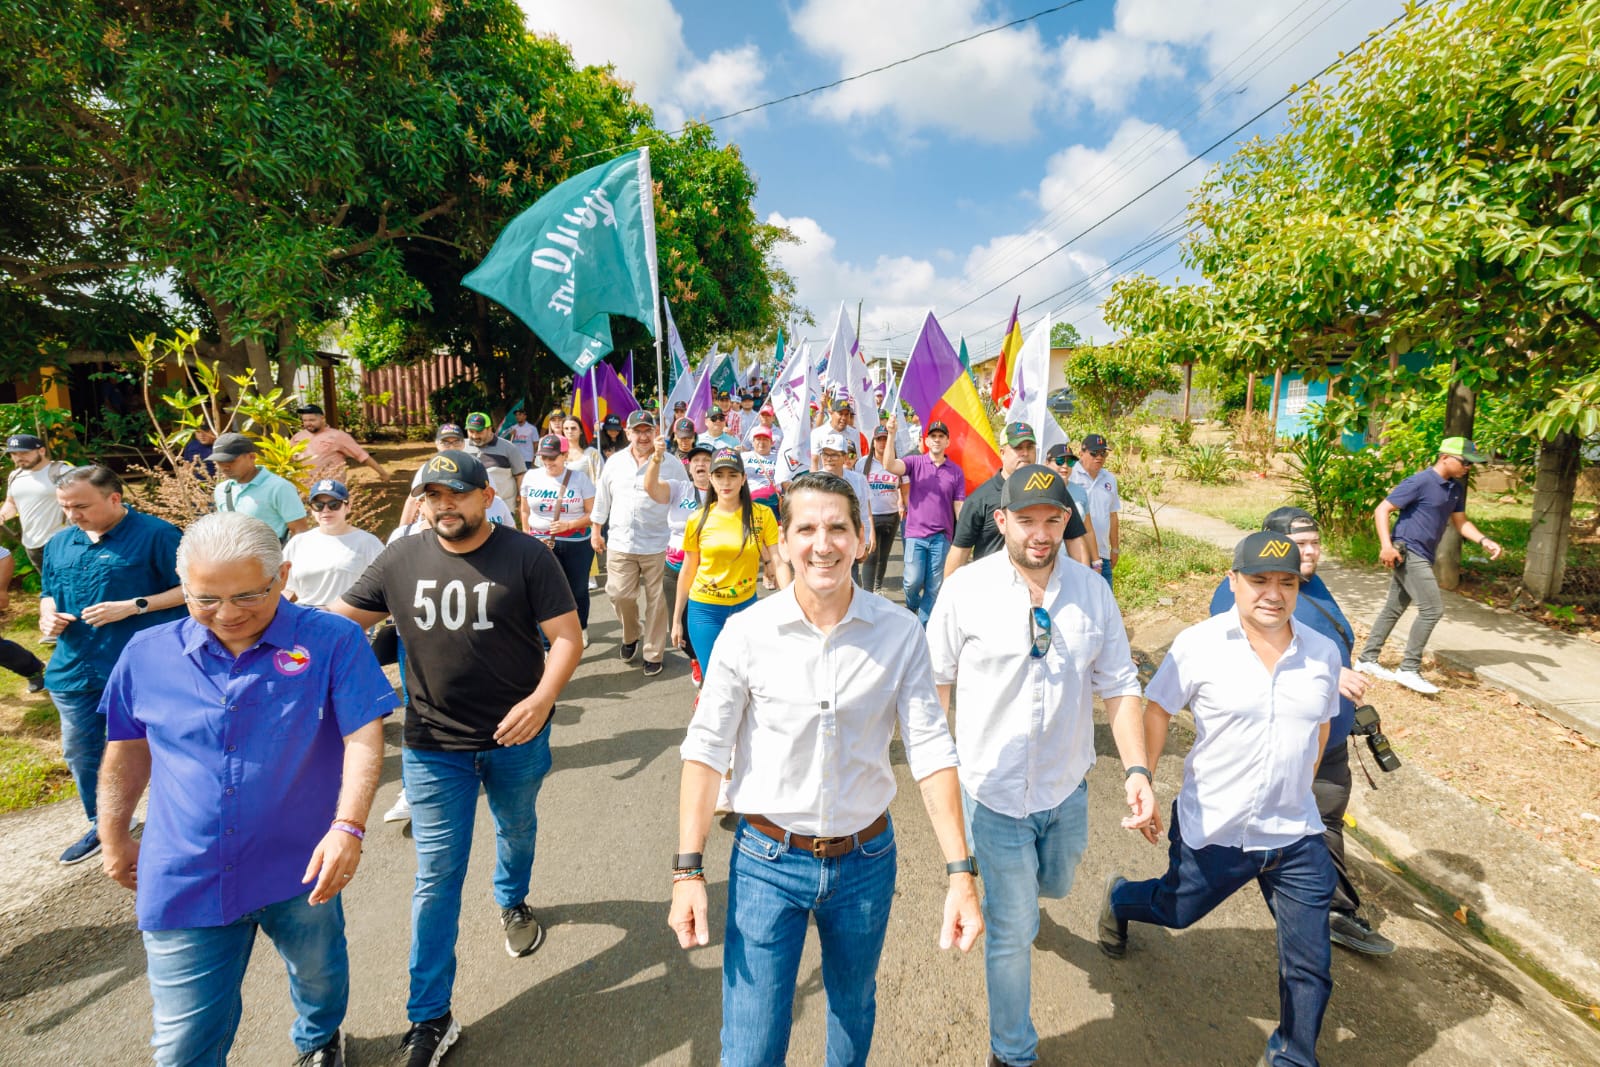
824,848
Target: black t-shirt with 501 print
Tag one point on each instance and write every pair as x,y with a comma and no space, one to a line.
470,627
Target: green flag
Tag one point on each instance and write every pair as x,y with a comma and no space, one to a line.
585,251
966,361
725,376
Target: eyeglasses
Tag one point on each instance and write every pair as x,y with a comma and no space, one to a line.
1039,628
327,505
243,600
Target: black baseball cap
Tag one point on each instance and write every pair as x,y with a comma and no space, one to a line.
453,469
1019,433
1266,552
23,442
639,418
1093,442
699,448
1033,484
936,427
683,428
232,446
842,404
1290,520
550,444
1058,453
612,422
726,459
308,409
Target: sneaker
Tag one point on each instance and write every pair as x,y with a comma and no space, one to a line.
524,935
1415,682
85,847
36,683
401,811
329,1055
426,1042
586,639
1371,669
1354,933
652,667
694,673
1113,931
594,585
627,650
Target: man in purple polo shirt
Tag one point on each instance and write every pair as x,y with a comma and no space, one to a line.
936,487
261,740
1428,501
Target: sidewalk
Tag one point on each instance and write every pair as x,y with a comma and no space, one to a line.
1522,890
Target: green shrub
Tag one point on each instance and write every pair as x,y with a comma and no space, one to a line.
1208,464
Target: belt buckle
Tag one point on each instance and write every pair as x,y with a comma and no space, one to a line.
820,846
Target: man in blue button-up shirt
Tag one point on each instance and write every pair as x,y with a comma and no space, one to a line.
105,577
257,725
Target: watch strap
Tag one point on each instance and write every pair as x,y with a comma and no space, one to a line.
687,861
1136,769
966,866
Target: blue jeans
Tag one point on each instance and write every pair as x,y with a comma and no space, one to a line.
924,573
195,977
1297,882
1105,571
443,790
704,623
772,890
1021,860
83,742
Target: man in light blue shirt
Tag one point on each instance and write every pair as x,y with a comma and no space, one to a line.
717,435
254,490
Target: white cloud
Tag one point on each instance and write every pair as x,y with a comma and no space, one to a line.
1107,69
987,89
643,40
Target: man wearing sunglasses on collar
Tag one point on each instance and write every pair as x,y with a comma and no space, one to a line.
1026,641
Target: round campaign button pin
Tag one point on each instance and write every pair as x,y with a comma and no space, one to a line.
291,661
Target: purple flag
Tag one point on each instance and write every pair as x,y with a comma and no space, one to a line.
704,392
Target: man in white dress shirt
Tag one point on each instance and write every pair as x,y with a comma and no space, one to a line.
1026,640
1263,691
802,699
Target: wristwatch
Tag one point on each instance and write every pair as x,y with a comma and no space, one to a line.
966,866
141,605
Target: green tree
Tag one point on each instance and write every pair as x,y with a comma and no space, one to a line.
1064,335
1440,190
1114,379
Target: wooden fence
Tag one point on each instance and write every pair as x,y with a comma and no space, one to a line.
409,388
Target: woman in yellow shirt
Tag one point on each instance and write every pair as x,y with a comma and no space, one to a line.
726,548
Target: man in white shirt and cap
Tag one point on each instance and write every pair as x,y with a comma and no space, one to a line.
802,700
1264,691
1026,640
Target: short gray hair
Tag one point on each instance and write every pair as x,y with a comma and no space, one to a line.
229,537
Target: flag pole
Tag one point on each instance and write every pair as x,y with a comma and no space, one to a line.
594,402
661,334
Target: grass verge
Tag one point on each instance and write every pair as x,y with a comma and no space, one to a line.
1147,572
29,777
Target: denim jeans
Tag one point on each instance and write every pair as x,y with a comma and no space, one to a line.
443,790
83,742
924,573
1411,582
1021,860
1297,882
772,890
1105,571
195,978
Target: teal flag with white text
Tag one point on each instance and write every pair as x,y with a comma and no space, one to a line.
584,252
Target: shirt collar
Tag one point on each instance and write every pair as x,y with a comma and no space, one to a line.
789,607
1236,628
280,632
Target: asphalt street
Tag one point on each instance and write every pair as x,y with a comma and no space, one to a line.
611,986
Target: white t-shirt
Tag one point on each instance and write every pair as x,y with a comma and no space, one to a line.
546,498
863,501
34,494
883,484
525,436
325,565
684,501
760,473
588,461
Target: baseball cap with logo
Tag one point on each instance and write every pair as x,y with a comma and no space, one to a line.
936,426
449,429
1289,520
832,442
1019,433
477,421
639,418
1058,454
232,446
881,431
551,444
727,459
611,422
1461,448
329,487
23,442
1266,552
1093,442
842,404
683,428
453,469
1033,484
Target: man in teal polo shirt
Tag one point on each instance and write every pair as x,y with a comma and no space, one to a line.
110,574
254,490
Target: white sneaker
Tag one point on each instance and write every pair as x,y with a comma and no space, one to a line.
586,639
1415,682
401,812
1371,669
593,585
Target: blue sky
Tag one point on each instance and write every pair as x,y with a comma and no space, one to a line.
926,185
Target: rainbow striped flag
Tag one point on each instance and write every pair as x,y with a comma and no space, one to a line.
1005,367
938,389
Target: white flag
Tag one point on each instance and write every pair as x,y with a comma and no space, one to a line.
791,398
838,375
682,389
1030,390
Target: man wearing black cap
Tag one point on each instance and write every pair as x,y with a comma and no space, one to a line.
255,490
1025,641
473,603
1264,690
1316,608
1426,502
323,444
977,534
31,493
1100,486
717,434
936,488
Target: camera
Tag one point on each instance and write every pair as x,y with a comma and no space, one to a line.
1368,726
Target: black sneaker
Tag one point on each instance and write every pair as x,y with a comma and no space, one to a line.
627,650
1112,930
652,667
524,935
1354,933
329,1055
36,683
426,1042
85,847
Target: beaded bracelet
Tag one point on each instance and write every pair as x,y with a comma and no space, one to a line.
689,874
353,829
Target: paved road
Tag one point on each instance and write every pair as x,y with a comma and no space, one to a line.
610,985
